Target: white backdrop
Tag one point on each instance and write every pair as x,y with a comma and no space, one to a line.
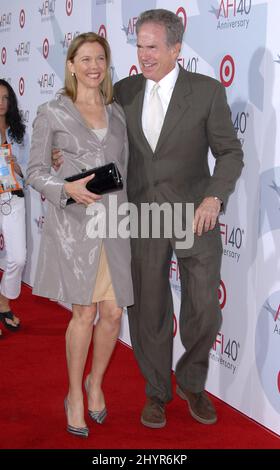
235,41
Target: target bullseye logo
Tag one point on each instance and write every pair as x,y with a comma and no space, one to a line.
175,325
22,18
46,48
133,70
2,243
21,86
227,70
102,31
69,7
3,55
222,294
278,382
181,12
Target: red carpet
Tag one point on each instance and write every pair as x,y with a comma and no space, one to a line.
34,383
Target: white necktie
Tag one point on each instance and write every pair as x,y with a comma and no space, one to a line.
155,117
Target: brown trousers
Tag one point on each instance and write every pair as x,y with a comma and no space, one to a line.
151,317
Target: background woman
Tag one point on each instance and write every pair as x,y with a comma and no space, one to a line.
12,207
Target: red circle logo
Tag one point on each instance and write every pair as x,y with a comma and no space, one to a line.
69,7
3,55
2,242
181,12
278,381
133,70
102,31
222,294
227,70
22,18
21,86
46,48
175,325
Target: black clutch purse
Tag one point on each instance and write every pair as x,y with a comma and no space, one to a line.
106,180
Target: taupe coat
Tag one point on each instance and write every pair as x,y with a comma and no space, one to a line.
68,257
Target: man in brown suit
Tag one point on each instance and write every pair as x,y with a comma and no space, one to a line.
173,168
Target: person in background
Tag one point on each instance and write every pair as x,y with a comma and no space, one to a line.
91,273
12,206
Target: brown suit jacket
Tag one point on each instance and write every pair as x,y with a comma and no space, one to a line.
198,118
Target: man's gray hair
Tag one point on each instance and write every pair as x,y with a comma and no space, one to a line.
173,24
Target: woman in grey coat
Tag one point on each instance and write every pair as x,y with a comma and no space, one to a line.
75,265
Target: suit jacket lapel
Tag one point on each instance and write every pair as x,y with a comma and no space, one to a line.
139,108
136,111
179,103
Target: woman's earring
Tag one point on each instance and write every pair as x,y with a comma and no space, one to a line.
72,74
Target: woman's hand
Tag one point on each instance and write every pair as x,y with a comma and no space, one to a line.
13,159
78,191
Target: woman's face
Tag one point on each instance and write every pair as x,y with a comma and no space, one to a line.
89,65
4,100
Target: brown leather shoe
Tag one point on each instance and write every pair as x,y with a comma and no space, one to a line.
200,406
153,414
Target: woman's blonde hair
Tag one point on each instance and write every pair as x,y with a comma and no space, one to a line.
70,81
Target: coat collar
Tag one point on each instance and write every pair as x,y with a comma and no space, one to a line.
71,108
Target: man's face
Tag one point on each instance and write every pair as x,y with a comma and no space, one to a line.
156,58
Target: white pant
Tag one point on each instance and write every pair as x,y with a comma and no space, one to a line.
13,230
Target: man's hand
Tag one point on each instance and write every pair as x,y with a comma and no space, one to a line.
78,191
57,159
206,215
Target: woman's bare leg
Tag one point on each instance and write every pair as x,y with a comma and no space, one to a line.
78,338
105,335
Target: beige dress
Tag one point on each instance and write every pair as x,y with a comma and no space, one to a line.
103,289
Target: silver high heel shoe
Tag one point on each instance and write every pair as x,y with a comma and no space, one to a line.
97,416
80,432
